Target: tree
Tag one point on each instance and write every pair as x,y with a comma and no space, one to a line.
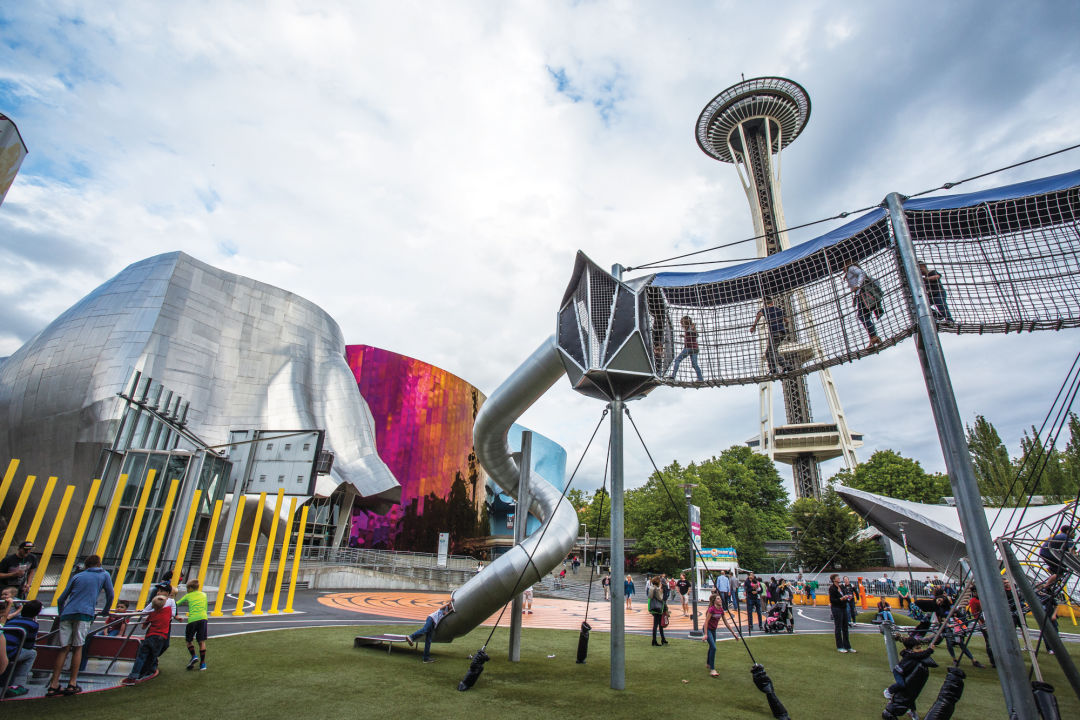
825,533
742,501
993,470
889,473
1044,472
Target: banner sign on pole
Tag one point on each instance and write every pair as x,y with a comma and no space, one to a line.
444,548
695,525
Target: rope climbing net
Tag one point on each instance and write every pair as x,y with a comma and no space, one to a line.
996,261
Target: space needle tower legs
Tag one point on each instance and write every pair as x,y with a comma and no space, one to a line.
747,125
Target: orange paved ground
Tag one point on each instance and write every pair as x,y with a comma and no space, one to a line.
547,612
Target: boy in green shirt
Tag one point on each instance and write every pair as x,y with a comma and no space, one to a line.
197,604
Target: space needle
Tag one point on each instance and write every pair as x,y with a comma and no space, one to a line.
748,125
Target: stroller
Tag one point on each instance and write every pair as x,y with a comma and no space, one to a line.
780,618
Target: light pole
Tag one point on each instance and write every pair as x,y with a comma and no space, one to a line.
907,560
687,488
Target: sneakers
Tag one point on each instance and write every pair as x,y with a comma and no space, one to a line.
17,691
843,650
713,673
429,659
409,640
913,715
193,662
887,694
851,650
129,680
977,664
202,666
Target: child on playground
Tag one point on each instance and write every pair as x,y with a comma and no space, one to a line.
428,630
714,615
884,611
8,607
197,617
118,620
156,640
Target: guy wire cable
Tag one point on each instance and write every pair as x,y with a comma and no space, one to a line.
600,518
546,525
1073,382
841,215
697,553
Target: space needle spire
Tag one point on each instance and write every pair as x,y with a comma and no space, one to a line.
748,125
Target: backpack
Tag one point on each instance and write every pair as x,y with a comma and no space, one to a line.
871,296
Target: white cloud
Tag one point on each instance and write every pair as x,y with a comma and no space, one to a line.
414,169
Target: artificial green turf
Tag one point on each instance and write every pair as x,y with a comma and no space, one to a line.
900,618
316,673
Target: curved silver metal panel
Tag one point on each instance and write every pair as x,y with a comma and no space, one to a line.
497,584
246,355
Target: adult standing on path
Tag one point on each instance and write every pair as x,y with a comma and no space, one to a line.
76,610
606,584
752,586
657,606
683,586
723,588
838,601
628,591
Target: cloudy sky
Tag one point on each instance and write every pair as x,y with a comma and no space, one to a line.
425,171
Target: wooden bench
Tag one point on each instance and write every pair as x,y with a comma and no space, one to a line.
379,641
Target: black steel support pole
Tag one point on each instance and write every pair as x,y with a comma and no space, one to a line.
980,546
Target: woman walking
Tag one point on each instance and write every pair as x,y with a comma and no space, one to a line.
714,615
657,607
628,590
838,601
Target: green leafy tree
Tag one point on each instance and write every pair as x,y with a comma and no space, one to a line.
1070,460
742,501
825,534
994,470
1044,472
893,475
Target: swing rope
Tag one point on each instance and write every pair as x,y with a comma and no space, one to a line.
544,530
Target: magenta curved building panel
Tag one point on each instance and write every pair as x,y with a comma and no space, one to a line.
423,419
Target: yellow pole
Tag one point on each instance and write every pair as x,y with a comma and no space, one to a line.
110,516
224,582
159,538
16,515
43,505
133,535
296,558
269,553
239,609
46,554
182,552
8,477
76,542
285,542
209,546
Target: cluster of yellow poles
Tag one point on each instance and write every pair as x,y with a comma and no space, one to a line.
159,538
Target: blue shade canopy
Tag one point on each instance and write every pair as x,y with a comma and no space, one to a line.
850,231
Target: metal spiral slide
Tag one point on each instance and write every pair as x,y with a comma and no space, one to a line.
525,564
